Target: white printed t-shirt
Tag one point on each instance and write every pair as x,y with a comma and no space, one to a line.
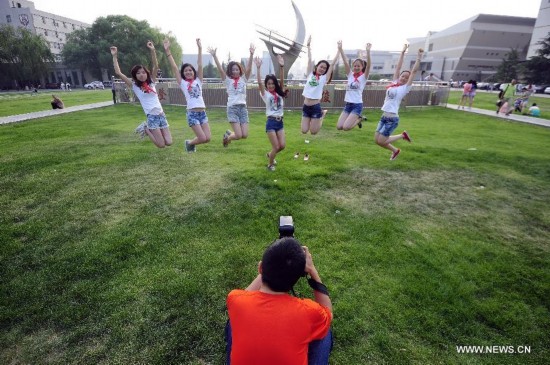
394,95
194,96
354,89
149,101
236,95
314,86
273,109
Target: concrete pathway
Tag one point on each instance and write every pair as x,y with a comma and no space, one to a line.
48,113
512,117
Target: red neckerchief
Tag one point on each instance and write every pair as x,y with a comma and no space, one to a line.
356,76
275,96
190,82
236,82
316,76
146,88
394,84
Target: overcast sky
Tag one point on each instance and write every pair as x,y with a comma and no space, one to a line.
229,25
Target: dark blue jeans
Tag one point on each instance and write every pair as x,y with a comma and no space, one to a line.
317,354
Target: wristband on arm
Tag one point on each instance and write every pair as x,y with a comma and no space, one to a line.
315,285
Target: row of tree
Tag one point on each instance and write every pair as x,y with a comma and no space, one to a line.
25,57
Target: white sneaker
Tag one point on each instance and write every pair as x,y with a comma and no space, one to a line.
140,130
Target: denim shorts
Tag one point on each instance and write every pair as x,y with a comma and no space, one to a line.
196,118
387,125
355,108
157,121
273,125
313,111
237,113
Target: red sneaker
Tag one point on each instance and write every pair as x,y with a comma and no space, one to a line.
406,136
395,154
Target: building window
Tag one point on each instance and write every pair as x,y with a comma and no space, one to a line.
18,5
8,18
45,32
73,26
430,47
56,34
64,25
43,20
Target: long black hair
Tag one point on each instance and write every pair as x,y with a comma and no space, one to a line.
134,71
192,68
282,93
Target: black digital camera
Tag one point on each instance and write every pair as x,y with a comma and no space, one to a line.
286,226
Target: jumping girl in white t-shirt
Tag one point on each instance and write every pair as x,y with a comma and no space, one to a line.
273,99
143,86
235,84
357,79
190,82
395,92
318,76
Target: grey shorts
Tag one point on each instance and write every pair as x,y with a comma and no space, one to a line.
237,113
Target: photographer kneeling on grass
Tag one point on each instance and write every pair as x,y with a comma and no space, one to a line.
269,326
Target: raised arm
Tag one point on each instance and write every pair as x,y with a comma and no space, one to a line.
258,63
309,68
400,62
212,51
333,65
320,297
175,70
249,65
281,61
199,60
367,69
344,58
114,52
151,47
415,67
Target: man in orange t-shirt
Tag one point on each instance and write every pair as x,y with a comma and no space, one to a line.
269,326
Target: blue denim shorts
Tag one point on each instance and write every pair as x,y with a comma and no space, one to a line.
355,108
196,118
313,111
157,121
273,125
237,113
387,125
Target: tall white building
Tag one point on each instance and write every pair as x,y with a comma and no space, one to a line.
53,28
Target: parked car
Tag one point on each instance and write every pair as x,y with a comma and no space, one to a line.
94,85
52,85
547,90
539,89
107,83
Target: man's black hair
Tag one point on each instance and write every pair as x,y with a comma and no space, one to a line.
283,263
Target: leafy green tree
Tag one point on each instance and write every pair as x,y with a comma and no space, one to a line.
209,71
89,48
509,68
537,68
24,56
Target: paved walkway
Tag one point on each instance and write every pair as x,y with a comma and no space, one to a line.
48,113
512,117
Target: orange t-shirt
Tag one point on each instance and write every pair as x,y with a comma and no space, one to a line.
274,329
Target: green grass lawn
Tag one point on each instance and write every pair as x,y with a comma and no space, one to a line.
487,100
116,252
12,103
